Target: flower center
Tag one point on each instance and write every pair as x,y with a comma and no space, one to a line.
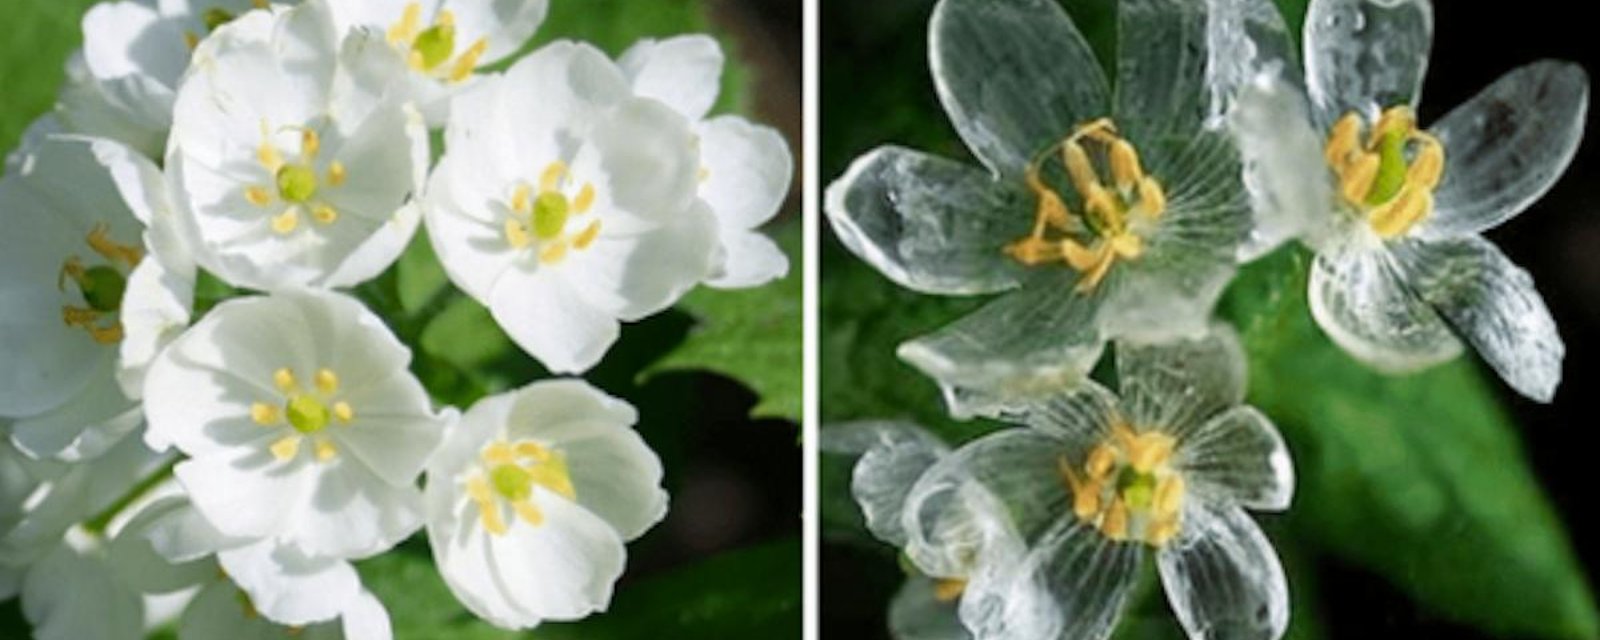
101,286
294,185
543,218
1127,489
1390,177
513,470
429,50
1115,218
306,413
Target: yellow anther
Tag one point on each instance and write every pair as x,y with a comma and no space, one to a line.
106,335
585,199
71,268
1161,531
405,30
528,512
264,414
258,195
78,317
261,4
1152,198
1079,168
286,448
949,590
100,241
1103,208
1083,258
190,40
1401,214
1343,140
587,236
1115,525
326,450
286,222
1151,450
336,173
1127,245
1427,168
1395,120
268,156
1359,177
284,380
468,61
1169,495
1390,180
553,253
326,380
1125,168
1086,500
310,144
517,234
324,214
488,510
533,451
343,413
550,178
498,453
702,175
1101,459
521,201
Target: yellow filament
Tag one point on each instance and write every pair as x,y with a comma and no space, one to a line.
468,60
99,239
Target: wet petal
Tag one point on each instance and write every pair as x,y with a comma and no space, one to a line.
1358,298
1223,577
1014,75
1238,457
1506,147
930,224
1021,345
1366,55
1493,304
893,456
1087,575
1161,67
1178,386
1284,171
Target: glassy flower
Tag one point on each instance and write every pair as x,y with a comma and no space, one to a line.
1095,481
566,204
1394,211
292,174
434,46
68,264
305,433
745,168
1101,215
121,84
531,498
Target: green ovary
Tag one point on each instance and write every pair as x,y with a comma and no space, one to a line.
307,414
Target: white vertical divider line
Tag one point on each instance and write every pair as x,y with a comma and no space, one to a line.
810,203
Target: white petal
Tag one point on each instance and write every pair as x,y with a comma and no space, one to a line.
1025,343
184,535
748,169
684,72
635,274
1238,457
244,499
1015,76
1223,578
1358,298
752,260
549,320
1506,147
469,241
1284,170
505,24
930,224
1492,303
155,310
394,430
558,85
1162,86
133,557
220,611
352,513
72,595
893,455
1074,582
133,39
1366,55
648,155
86,426
288,587
1178,386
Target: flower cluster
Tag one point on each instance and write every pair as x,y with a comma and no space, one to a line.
1116,216
222,461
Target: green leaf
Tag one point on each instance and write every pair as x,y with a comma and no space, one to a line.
752,335
1419,478
39,35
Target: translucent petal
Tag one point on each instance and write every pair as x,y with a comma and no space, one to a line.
1244,39
930,224
72,594
1238,457
1081,416
916,613
1359,299
1366,55
1493,304
1014,75
893,456
1506,147
1284,171
1178,386
1019,346
1223,577
1086,575
1162,86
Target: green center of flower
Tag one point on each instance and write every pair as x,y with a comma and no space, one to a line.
435,44
296,183
102,286
541,217
306,414
509,473
511,482
550,211
1127,487
1114,217
429,49
1389,177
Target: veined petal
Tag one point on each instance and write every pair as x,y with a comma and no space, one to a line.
1358,297
1493,305
1238,457
893,455
1162,84
1506,147
1178,386
1223,578
1081,416
684,72
930,224
917,613
1014,75
1284,170
1023,344
1086,576
1366,55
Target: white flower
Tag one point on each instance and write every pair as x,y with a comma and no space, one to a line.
1097,214
69,264
566,204
305,434
434,46
532,497
1096,480
221,610
292,174
1395,212
745,168
54,496
122,83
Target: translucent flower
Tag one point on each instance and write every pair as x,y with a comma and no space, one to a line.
745,168
531,498
305,433
1101,215
434,46
1394,211
1096,480
122,83
70,263
565,204
293,174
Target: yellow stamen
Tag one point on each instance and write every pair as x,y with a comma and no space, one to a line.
258,195
326,450
310,143
520,199
587,236
1125,167
264,414
343,412
528,512
286,222
286,448
284,380
1399,215
327,381
336,173
404,31
499,453
517,234
324,214
1079,167
1359,178
100,241
550,178
532,450
1152,198
948,590
555,252
1389,180
1115,525
488,511
585,199
190,40
468,61
1169,495
106,335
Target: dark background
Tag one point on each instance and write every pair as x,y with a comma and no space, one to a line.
1557,241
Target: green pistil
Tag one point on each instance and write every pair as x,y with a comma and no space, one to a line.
512,482
296,182
550,212
102,288
307,414
1138,489
435,44
1391,168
